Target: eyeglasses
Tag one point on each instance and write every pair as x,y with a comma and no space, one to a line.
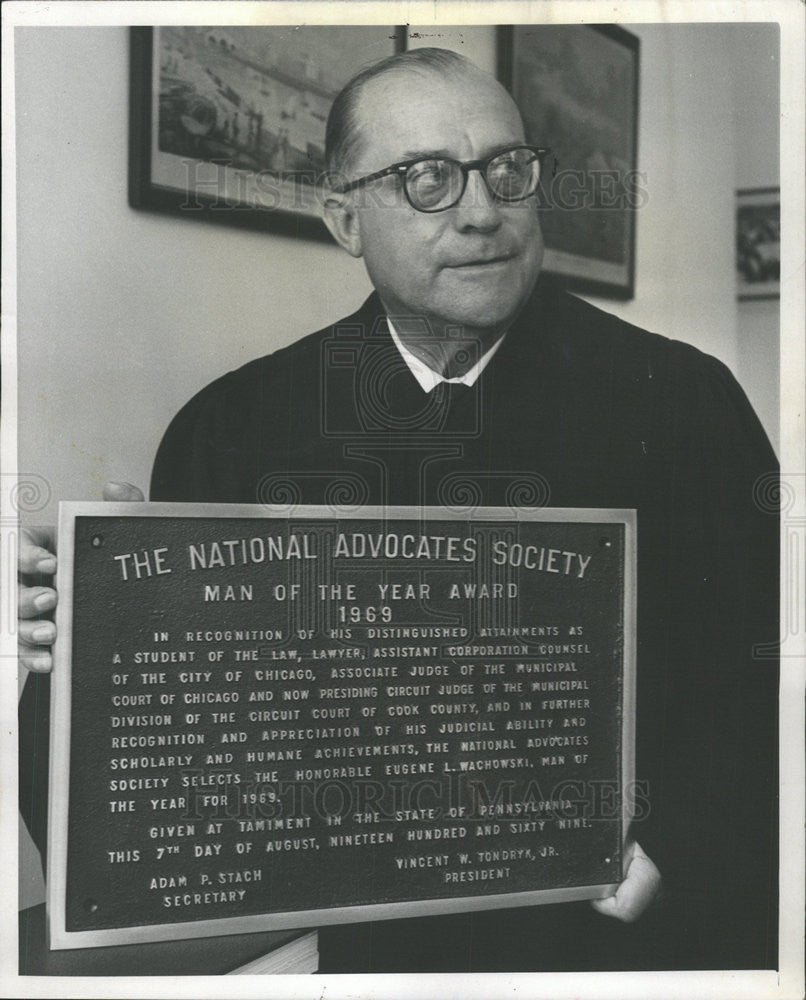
437,183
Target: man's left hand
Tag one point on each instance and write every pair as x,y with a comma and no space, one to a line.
641,886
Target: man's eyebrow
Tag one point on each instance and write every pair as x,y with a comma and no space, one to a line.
427,154
446,154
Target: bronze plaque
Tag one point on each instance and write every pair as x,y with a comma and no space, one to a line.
267,719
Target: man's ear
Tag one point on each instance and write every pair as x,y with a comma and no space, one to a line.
341,219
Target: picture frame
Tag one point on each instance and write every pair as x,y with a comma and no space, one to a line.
577,90
758,243
227,124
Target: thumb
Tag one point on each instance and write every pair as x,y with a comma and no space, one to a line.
122,493
641,886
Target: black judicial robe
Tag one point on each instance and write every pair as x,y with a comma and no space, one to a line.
577,409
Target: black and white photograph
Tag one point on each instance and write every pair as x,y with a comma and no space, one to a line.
403,500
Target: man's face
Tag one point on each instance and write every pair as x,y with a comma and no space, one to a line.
474,264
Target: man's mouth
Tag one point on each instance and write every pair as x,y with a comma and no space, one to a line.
482,262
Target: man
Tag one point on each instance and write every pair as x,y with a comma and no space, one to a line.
466,378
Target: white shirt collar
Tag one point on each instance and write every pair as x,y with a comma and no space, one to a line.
427,378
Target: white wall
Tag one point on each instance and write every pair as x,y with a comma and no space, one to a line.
685,286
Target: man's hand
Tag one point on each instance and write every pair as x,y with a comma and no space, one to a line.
37,559
641,886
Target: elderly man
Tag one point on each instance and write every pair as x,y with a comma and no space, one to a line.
464,378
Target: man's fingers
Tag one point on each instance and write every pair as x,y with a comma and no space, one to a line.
37,659
36,633
37,547
640,887
35,601
634,895
42,534
122,493
36,558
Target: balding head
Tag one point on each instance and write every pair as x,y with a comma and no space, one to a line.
344,124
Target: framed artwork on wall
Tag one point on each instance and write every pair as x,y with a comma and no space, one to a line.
577,90
228,123
758,243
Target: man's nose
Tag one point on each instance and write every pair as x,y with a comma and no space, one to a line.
477,209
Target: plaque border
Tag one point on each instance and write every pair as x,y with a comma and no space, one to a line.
60,735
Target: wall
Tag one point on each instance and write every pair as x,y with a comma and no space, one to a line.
123,315
684,241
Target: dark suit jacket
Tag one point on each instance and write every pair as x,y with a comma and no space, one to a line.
577,409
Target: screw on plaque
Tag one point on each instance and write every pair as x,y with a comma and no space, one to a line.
605,543
97,541
91,905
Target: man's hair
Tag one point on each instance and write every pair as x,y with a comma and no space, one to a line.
342,124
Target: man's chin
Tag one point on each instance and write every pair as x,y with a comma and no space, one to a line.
482,313
488,302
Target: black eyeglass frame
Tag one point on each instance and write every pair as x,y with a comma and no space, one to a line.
402,168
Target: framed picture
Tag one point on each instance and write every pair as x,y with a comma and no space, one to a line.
228,123
758,243
577,89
